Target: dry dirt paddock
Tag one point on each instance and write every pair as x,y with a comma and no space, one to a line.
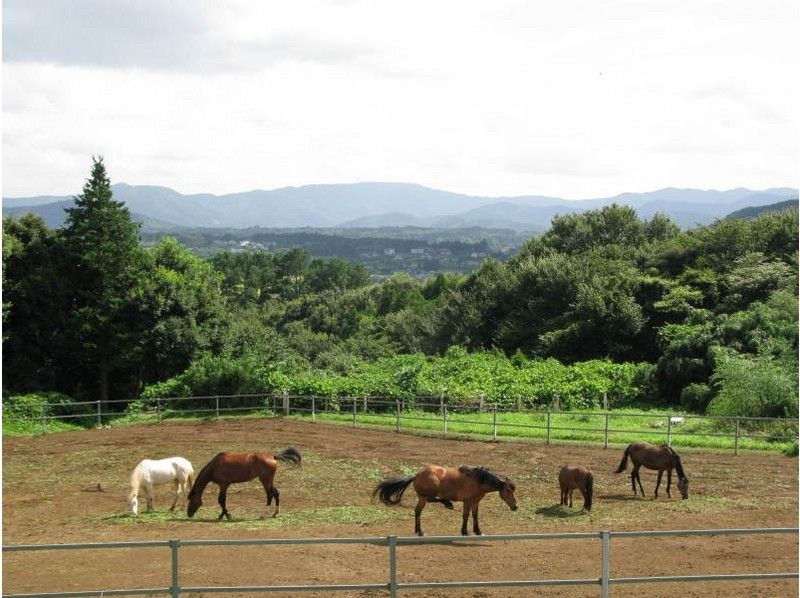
71,487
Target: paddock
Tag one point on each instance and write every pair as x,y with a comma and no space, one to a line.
71,487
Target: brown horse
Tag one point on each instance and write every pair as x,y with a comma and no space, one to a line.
659,458
446,484
232,468
571,477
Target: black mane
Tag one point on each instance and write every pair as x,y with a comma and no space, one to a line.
484,476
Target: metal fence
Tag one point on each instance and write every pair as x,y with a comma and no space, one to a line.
440,416
603,580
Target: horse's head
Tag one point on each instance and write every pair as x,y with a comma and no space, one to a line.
507,490
195,502
683,486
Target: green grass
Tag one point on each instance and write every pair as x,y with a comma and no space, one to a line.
625,425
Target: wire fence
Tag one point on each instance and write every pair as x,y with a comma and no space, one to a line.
602,579
434,415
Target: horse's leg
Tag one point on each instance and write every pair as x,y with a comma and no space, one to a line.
658,481
475,527
148,488
465,516
421,502
223,492
563,495
638,479
177,494
669,481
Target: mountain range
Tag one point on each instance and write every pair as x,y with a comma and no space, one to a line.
373,205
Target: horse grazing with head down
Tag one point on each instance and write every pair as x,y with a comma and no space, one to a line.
447,484
661,458
232,468
573,477
150,472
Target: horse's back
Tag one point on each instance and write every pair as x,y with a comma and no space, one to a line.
573,475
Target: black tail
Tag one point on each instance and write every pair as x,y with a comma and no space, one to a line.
390,491
290,455
587,495
624,463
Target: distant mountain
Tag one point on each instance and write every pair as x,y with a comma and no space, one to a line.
392,205
747,213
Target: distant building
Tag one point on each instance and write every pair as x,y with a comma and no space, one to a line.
389,251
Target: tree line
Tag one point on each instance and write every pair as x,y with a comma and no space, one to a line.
705,318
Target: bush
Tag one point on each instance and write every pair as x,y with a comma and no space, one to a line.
696,397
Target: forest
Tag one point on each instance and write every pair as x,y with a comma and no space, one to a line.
601,303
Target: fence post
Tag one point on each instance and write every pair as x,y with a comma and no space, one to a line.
480,406
736,438
355,406
175,588
494,422
285,402
444,418
216,406
605,401
669,430
365,404
605,438
393,566
519,402
99,414
605,547
548,426
158,409
313,409
397,404
44,420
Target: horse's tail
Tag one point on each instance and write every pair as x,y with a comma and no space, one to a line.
290,455
189,480
135,480
624,463
390,491
587,497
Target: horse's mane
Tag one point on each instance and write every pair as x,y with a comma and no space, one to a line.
484,476
204,477
135,479
678,466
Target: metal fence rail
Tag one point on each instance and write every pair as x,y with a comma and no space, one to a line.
604,580
544,424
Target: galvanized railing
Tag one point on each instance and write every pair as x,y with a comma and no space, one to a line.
449,418
604,580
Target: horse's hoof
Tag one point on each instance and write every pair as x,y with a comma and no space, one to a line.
420,534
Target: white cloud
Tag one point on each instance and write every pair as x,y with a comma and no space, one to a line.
575,99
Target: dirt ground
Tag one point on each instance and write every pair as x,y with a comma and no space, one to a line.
71,487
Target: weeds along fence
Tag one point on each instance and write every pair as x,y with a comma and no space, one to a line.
433,415
602,579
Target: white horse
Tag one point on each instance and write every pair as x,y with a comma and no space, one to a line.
150,472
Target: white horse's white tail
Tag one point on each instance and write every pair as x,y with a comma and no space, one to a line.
148,472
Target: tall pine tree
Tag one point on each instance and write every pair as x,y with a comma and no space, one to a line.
106,266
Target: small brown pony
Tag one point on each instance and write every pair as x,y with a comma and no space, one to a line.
231,468
571,477
659,458
446,484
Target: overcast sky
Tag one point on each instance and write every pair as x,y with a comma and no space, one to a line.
565,98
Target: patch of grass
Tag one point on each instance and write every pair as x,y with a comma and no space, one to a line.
350,515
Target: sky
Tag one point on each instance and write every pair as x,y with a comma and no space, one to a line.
566,98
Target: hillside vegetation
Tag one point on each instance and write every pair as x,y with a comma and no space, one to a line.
603,302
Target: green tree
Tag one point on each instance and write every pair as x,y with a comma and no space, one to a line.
106,266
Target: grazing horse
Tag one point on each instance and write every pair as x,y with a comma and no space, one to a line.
571,477
654,457
446,484
149,472
231,468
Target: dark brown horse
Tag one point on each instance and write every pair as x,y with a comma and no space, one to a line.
445,485
661,458
571,477
232,468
